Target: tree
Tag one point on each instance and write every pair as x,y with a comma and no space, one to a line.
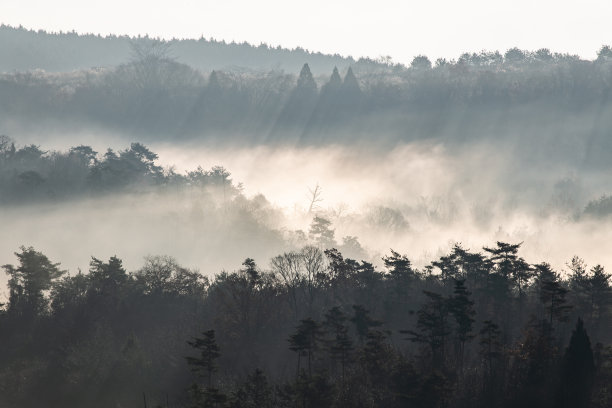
579,285
363,322
321,232
514,56
333,85
350,85
305,342
432,327
420,62
341,270
255,392
461,307
107,278
600,295
313,262
552,294
604,54
490,345
162,275
340,345
289,267
398,265
314,198
577,371
150,61
449,270
306,82
28,282
205,365
511,267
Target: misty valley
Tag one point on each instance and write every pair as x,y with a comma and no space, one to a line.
195,223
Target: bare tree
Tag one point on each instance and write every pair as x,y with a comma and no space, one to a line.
288,266
314,266
315,198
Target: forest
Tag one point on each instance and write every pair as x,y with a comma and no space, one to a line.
538,103
195,223
313,329
309,327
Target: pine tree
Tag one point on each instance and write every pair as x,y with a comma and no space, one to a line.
321,232
340,345
255,392
552,294
461,308
28,282
578,370
305,342
600,296
333,85
350,84
306,82
432,327
490,345
363,322
204,366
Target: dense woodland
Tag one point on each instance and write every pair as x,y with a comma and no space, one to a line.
310,327
25,50
539,104
316,325
29,174
313,329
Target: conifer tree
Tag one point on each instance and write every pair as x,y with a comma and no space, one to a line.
350,84
340,345
461,308
306,82
577,371
205,366
305,342
432,327
28,282
552,294
363,322
490,345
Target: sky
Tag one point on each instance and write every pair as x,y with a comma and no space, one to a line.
400,29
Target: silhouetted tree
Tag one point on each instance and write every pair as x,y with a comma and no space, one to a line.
205,366
461,307
432,327
28,283
305,342
577,371
340,344
552,294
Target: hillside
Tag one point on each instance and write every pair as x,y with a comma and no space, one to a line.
24,50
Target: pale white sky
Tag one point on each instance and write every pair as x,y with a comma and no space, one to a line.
401,29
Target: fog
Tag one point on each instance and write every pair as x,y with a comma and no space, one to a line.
474,195
488,147
416,198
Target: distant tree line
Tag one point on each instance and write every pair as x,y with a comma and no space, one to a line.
543,103
26,50
314,329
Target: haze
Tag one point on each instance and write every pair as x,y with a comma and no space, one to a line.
400,29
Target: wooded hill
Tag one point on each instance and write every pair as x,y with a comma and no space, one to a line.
26,50
315,329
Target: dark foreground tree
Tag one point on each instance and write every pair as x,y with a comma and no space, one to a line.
205,365
577,371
